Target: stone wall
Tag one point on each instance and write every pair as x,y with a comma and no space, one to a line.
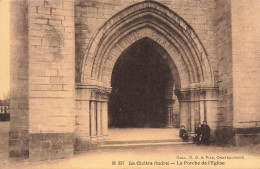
51,82
19,64
87,24
224,53
44,34
246,69
43,80
92,14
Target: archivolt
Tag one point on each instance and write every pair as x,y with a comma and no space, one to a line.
157,22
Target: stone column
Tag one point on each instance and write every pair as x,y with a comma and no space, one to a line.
192,111
197,107
200,102
104,96
105,119
169,106
91,115
202,106
184,102
211,108
194,108
99,120
93,129
82,119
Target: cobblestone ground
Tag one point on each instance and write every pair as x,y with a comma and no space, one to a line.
4,129
168,157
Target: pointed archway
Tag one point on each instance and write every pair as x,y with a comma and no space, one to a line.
181,47
141,87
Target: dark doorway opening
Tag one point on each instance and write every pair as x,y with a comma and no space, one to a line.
139,86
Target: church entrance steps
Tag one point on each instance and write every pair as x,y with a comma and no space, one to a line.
142,137
132,134
142,143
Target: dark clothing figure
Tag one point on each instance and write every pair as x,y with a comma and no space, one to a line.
205,133
184,135
198,133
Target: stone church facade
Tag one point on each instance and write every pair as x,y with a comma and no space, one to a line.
63,56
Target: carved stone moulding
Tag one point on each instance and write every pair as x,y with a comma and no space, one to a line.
97,91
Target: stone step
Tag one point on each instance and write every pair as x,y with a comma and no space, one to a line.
141,144
140,141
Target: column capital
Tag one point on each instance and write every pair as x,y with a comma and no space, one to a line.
183,95
103,95
94,91
188,94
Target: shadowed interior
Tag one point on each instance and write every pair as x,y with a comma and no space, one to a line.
139,82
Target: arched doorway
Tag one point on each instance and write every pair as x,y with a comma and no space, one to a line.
140,80
179,47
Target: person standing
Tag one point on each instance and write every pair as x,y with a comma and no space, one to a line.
198,133
205,131
183,134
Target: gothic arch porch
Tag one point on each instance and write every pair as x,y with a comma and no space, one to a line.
178,45
142,84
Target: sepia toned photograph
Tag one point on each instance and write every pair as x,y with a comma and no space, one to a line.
129,84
